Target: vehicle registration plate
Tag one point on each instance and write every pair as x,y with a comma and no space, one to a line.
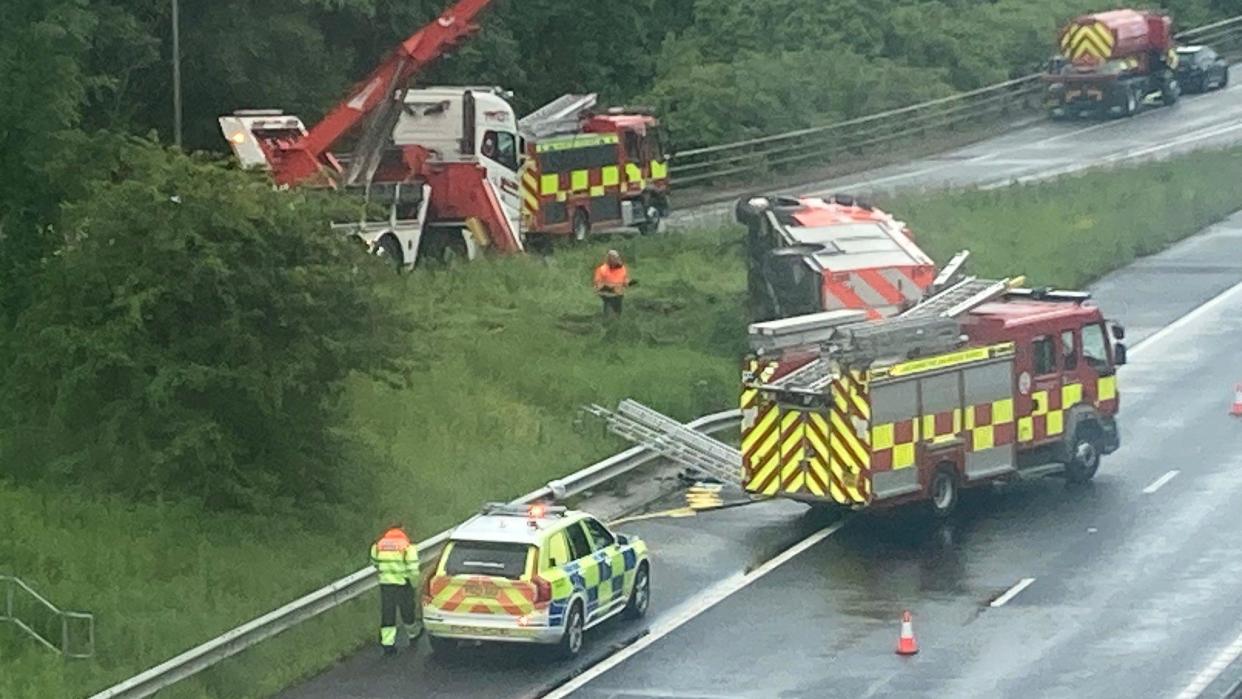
481,631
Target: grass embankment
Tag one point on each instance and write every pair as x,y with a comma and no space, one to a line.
505,351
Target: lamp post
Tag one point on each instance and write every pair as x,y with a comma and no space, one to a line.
176,51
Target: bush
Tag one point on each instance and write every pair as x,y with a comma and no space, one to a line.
191,337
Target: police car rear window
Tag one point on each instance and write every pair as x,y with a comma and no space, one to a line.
502,560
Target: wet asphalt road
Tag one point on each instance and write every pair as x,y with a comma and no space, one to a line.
1136,588
1038,151
824,624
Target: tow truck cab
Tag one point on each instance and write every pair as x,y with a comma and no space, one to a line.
1065,367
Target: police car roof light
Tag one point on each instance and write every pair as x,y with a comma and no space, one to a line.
535,511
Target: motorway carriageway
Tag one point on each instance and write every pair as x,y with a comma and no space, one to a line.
1132,590
1042,150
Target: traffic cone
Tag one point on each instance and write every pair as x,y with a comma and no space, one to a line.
906,645
1236,410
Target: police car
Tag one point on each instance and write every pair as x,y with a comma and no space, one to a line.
536,574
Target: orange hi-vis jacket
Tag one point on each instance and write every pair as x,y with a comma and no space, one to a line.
615,278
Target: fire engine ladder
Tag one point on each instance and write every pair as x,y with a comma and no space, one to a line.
658,432
558,116
959,298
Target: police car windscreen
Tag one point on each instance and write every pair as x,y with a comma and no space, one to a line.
503,560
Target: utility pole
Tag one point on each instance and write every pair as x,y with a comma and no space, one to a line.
176,51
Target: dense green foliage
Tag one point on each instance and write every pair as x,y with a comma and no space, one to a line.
191,337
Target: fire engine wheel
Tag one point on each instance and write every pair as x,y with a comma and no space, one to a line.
944,491
640,596
1131,102
1170,92
571,641
1084,457
1224,79
582,225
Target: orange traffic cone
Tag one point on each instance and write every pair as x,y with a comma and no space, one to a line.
906,645
1236,410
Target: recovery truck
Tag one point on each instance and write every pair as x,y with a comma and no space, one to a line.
810,254
445,162
1110,63
981,382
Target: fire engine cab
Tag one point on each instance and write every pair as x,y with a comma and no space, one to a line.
983,381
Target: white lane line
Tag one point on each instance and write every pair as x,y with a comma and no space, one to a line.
1209,674
689,611
1222,297
1161,481
1012,592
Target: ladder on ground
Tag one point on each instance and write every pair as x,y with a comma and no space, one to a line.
673,440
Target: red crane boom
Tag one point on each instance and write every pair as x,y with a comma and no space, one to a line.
309,156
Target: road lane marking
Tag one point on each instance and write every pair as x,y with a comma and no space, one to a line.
1012,592
1176,325
1161,481
1209,674
687,612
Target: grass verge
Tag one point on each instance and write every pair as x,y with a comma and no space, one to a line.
505,351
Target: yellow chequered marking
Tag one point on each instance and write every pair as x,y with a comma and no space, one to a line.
1107,388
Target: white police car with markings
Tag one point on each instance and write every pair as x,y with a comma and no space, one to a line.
536,574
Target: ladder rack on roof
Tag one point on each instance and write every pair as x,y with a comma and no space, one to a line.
559,116
658,432
969,293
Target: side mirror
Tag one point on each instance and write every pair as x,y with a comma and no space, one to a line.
1119,354
623,540
1119,332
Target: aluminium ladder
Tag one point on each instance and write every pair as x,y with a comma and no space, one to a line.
658,432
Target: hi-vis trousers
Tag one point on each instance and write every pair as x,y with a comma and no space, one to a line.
393,599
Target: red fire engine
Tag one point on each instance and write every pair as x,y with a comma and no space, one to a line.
981,382
588,170
808,254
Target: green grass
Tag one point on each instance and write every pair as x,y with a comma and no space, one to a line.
504,352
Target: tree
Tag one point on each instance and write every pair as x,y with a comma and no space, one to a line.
191,337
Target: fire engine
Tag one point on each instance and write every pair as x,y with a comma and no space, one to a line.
590,170
983,381
1110,63
809,254
445,162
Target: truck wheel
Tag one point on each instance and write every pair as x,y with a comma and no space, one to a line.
390,249
1224,79
943,490
1084,456
582,225
571,641
1132,102
640,596
442,249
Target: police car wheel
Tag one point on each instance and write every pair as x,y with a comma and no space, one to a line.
640,596
442,647
571,641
